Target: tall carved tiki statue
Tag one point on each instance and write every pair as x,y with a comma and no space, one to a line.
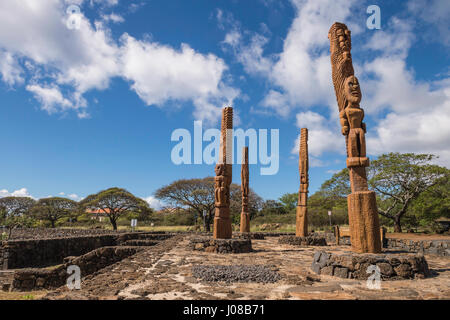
362,207
245,216
301,229
222,222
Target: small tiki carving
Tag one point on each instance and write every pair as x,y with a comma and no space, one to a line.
223,170
245,217
301,217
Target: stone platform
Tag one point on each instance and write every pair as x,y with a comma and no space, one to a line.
310,240
392,266
249,235
208,244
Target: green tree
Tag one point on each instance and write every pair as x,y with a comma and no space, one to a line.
15,212
289,201
433,203
399,179
254,203
114,202
53,208
198,194
272,207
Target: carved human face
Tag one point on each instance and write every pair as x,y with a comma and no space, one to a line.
219,169
352,90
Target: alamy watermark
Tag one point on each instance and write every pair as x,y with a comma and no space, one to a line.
190,150
374,280
74,280
374,20
74,17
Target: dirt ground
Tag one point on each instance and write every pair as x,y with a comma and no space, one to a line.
164,272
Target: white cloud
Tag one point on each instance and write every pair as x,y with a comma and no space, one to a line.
303,71
50,97
10,69
417,112
75,197
153,202
64,63
249,55
425,130
323,136
159,73
72,196
113,17
23,192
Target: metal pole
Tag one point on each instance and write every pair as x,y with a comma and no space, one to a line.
204,220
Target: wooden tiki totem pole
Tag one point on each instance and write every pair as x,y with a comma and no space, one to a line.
245,217
222,221
362,206
301,229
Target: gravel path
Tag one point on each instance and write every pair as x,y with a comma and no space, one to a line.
236,273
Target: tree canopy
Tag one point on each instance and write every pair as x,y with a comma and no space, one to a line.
401,178
53,208
289,201
198,194
114,202
400,181
15,212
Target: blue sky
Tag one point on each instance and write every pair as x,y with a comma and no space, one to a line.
94,107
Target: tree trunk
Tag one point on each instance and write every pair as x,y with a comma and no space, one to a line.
53,223
114,224
208,223
397,225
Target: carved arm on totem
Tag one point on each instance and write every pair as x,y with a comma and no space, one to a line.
344,122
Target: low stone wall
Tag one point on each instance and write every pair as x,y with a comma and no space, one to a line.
277,234
310,240
435,247
34,253
143,236
44,252
52,233
51,278
3,257
355,266
221,245
249,235
140,243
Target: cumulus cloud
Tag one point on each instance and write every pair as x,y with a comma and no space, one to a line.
64,63
303,71
113,17
153,202
323,136
23,192
246,46
10,69
50,97
425,130
159,73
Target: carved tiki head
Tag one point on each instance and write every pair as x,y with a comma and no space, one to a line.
220,169
352,90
